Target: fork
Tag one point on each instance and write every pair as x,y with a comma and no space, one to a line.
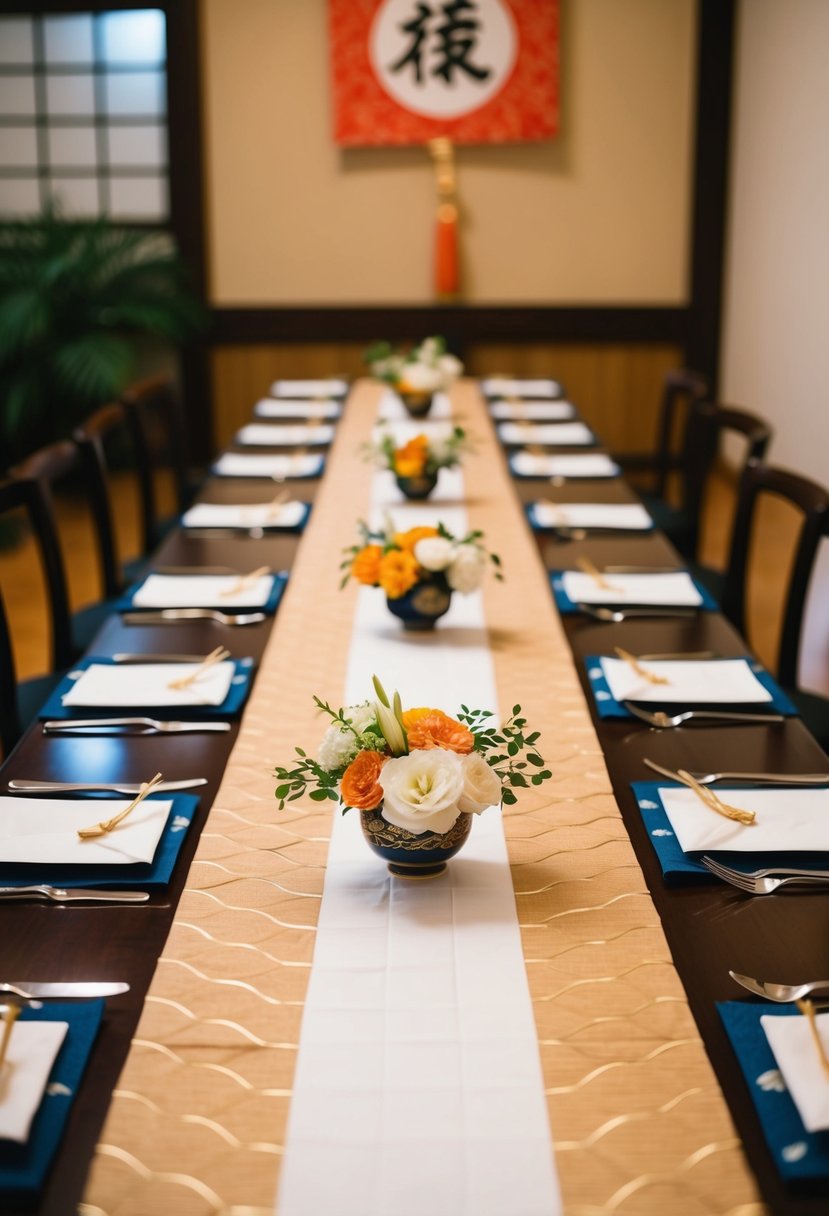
143,726
170,615
770,872
664,721
763,886
754,778
60,895
778,992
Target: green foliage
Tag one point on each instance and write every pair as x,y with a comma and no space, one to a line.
514,750
74,296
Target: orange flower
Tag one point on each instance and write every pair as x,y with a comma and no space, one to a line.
359,786
398,572
436,729
410,460
366,565
410,716
408,540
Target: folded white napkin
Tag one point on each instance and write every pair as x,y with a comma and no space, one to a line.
691,681
594,464
308,388
786,820
270,407
244,515
532,411
795,1051
142,684
201,591
672,589
33,1048
392,409
506,387
44,831
260,434
241,464
629,516
554,434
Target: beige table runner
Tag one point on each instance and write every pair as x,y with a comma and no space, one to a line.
198,1118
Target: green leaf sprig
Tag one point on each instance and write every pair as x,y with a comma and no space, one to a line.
517,761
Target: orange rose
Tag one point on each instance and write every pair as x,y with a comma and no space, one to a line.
436,729
408,540
410,460
398,572
359,786
366,565
410,716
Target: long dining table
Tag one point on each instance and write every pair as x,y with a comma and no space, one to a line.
186,1097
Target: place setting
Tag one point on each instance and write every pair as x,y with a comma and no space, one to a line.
628,591
315,433
271,466
549,434
573,520
313,390
563,466
520,389
163,598
254,519
550,409
327,409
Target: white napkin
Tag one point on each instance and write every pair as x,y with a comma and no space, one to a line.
504,387
691,681
262,435
570,434
794,1049
308,388
670,589
536,411
244,515
142,684
200,591
629,516
594,464
786,820
269,407
44,831
33,1048
240,464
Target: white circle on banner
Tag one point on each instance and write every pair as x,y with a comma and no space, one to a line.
442,58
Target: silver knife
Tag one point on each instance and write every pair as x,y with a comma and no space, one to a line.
68,895
145,725
32,988
25,786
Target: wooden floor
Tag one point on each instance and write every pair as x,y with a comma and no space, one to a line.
23,589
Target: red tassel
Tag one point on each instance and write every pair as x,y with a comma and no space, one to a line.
447,262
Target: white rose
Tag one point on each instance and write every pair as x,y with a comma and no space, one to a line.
466,571
429,350
337,748
450,367
421,790
481,786
434,552
420,378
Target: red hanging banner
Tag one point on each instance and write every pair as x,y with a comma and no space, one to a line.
474,71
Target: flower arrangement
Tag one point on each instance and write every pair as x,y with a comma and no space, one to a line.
418,768
420,456
426,368
397,561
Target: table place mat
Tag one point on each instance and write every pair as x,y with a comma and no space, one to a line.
799,1156
309,388
591,465
531,411
116,690
741,683
302,407
680,589
284,517
45,830
392,409
152,876
796,1053
24,1167
263,434
551,434
204,591
32,1050
505,386
276,468
611,516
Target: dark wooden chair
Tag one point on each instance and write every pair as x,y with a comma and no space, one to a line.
683,390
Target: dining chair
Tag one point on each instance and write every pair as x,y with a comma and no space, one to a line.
683,390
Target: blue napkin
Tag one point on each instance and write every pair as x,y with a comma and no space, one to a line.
230,707
125,604
608,707
141,875
23,1167
679,867
798,1155
567,607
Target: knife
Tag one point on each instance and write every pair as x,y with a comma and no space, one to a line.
27,786
64,895
26,989
144,725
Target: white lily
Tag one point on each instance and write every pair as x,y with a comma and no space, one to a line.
390,720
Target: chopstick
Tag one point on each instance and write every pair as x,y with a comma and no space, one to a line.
714,802
587,567
245,581
10,1017
216,656
633,662
273,510
107,825
807,1008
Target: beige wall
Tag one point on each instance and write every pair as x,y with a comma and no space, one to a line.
776,345
600,215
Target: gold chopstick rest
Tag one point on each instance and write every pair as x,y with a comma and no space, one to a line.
633,662
245,581
107,825
216,656
807,1008
11,1015
587,567
714,802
